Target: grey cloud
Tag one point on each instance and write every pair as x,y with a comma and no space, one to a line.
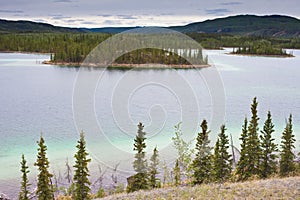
58,16
11,11
126,17
62,1
40,20
218,11
232,3
73,20
112,22
166,14
88,23
104,15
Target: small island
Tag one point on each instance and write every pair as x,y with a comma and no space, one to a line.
261,48
148,58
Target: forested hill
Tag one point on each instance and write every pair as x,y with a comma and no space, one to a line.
273,25
7,26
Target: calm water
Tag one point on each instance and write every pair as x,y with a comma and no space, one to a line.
38,98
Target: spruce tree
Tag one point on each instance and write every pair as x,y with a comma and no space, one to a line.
202,161
221,159
24,193
253,143
140,179
177,175
268,165
81,171
44,184
153,169
242,165
287,156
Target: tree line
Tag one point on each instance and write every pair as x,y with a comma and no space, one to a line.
260,158
74,47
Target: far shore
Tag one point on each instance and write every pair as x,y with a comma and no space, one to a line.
26,52
262,55
127,66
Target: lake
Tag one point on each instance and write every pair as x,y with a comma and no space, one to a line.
37,98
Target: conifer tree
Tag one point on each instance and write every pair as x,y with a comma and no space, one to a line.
202,161
287,146
140,179
221,159
23,195
81,171
253,143
177,175
268,163
153,169
44,184
242,165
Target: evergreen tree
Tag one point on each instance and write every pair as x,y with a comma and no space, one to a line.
268,163
242,165
140,179
202,161
287,146
44,185
253,143
81,172
221,159
177,174
153,169
23,195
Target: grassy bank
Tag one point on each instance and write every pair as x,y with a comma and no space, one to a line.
275,188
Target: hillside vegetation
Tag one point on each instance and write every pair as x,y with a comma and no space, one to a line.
285,188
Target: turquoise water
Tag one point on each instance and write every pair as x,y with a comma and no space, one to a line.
38,98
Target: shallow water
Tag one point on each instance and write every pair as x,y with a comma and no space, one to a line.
38,98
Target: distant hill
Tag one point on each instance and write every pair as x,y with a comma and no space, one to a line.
7,26
273,25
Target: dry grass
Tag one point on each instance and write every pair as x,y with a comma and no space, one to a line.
286,188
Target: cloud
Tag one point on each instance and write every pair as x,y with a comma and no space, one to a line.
104,15
73,20
112,22
126,17
217,12
231,3
11,11
59,16
88,23
40,20
62,1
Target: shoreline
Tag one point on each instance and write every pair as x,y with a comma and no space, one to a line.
26,52
262,55
128,66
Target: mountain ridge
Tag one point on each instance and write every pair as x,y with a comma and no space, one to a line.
252,25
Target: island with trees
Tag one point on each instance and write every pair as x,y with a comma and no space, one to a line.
261,48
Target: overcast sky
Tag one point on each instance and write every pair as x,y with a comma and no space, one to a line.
100,13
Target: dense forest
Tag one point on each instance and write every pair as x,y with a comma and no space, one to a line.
260,158
73,47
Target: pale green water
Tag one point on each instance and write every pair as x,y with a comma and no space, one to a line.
38,98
